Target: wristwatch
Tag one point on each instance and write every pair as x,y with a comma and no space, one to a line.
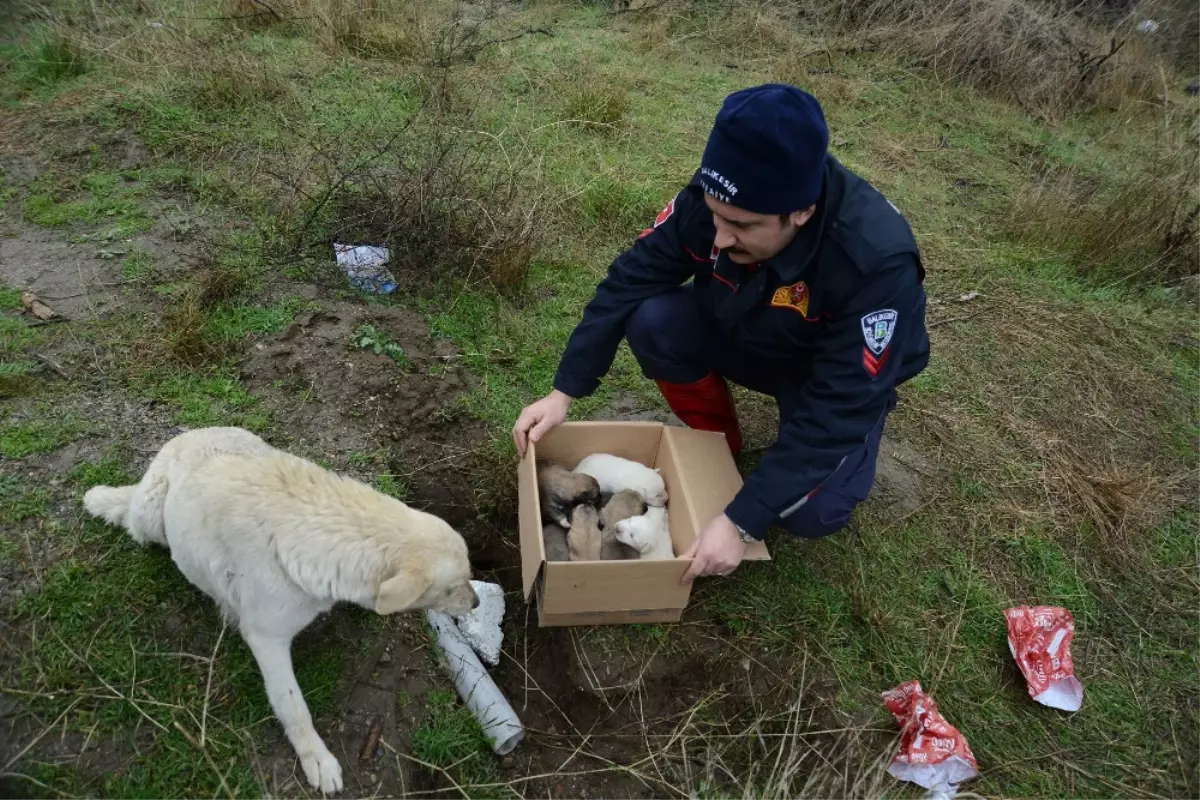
745,536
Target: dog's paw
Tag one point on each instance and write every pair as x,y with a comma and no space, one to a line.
323,771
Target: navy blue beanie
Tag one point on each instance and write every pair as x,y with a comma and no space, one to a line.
766,151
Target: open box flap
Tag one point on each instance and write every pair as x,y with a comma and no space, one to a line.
533,552
708,477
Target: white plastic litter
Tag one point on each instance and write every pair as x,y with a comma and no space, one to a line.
481,627
364,266
476,688
1147,26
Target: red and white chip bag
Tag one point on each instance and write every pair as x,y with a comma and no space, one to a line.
933,754
1040,640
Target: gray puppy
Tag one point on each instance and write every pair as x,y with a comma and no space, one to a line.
560,490
555,540
622,505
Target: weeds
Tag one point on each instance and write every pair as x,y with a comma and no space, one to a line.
54,61
186,321
1143,226
368,337
430,193
597,102
449,736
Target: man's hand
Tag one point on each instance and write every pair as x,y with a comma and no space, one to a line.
539,417
717,550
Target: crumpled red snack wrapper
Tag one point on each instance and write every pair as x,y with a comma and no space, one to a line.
1040,640
933,754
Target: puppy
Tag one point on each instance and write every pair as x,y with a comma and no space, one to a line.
648,534
622,505
583,539
276,540
614,473
560,490
555,540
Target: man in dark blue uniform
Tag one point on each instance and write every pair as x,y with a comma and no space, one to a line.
805,284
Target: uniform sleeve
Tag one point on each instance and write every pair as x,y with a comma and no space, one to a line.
662,258
850,387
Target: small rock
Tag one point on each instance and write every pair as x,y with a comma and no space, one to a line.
1193,88
386,658
838,141
371,777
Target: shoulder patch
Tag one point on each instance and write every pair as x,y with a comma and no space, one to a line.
794,297
662,217
665,214
878,327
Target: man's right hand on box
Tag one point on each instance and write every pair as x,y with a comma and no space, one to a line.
716,551
538,418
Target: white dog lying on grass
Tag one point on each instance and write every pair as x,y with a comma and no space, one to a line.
276,540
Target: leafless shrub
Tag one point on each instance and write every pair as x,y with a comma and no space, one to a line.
433,192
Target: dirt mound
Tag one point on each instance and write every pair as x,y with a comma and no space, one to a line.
346,404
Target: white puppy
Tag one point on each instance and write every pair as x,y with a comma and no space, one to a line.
649,534
614,473
276,540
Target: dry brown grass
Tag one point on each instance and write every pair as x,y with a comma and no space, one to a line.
428,33
183,338
793,752
1043,59
1143,226
1047,59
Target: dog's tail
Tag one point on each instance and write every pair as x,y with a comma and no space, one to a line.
110,503
138,508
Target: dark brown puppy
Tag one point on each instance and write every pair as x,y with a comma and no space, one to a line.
560,490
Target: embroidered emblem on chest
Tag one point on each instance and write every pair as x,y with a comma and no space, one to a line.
794,297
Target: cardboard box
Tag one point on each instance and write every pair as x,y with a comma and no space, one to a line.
701,479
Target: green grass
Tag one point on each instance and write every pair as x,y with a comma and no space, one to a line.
450,737
394,485
138,265
99,197
18,502
240,320
200,399
54,61
10,299
40,434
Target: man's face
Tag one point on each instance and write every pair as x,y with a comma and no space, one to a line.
747,237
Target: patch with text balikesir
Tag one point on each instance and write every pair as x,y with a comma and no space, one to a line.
878,327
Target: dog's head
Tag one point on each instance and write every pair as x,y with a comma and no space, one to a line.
637,532
436,576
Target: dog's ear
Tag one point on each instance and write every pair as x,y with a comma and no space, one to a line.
401,591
